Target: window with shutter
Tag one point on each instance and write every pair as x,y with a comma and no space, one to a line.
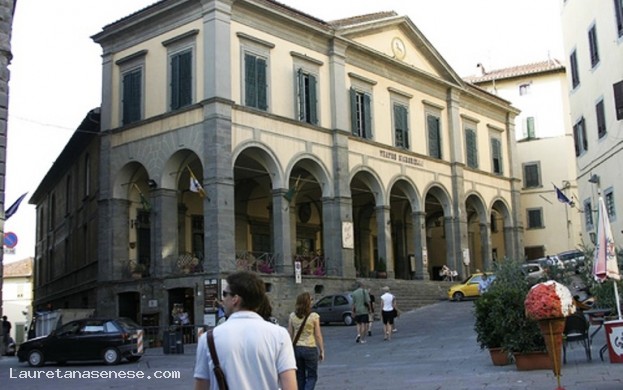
530,127
307,97
588,214
618,10
361,116
609,202
181,79
434,140
132,95
496,154
471,148
618,99
401,128
255,82
592,45
531,176
535,218
601,119
575,75
579,137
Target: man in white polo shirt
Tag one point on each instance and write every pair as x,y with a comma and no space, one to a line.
253,353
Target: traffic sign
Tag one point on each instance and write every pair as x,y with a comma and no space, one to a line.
10,239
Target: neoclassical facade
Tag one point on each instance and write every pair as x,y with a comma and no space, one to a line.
247,135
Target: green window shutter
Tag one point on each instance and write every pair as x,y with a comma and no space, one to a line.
300,76
496,151
313,103
262,87
367,124
353,112
175,82
401,130
434,144
472,151
250,82
185,79
132,96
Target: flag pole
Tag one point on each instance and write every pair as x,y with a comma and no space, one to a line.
616,295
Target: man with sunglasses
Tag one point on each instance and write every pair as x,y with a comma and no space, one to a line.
253,353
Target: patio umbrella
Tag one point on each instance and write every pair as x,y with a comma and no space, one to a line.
605,262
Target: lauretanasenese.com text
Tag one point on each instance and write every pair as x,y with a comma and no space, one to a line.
15,373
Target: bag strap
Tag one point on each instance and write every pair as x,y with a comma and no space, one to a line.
298,334
218,372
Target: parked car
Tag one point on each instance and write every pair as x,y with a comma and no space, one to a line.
534,271
549,261
335,308
573,260
468,288
104,339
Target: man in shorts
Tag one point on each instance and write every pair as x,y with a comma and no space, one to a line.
361,311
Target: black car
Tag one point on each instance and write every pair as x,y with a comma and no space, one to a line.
335,308
104,339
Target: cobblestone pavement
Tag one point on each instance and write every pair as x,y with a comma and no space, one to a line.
434,348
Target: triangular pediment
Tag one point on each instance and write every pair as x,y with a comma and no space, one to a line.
398,38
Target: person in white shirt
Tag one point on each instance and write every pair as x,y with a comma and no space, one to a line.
389,312
253,353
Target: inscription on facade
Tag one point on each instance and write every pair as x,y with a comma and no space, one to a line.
400,158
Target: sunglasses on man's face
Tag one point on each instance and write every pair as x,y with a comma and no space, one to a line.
226,293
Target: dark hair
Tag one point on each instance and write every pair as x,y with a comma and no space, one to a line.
303,305
265,310
248,286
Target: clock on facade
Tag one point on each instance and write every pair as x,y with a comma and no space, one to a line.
398,48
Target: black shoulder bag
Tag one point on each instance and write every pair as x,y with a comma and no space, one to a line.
218,372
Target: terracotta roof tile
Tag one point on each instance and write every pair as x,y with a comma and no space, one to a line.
362,18
18,268
517,71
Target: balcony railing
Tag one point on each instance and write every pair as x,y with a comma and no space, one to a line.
261,262
312,263
188,264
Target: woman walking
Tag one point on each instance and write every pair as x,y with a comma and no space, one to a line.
304,328
389,312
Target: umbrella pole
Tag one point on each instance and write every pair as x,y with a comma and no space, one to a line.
616,295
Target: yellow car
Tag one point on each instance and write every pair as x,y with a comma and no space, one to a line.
467,288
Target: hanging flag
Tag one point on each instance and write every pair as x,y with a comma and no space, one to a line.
561,197
292,191
195,186
144,201
13,208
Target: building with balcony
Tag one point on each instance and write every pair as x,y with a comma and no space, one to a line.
248,135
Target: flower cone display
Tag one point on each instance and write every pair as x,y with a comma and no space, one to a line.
549,303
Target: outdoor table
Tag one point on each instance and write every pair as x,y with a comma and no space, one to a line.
598,317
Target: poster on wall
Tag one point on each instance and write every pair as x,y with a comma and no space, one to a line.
424,257
210,295
466,256
348,239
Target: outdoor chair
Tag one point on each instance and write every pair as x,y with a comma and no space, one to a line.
576,330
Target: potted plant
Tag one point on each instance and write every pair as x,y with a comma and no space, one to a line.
520,335
381,268
488,330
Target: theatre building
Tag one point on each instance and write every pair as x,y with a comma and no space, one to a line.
244,134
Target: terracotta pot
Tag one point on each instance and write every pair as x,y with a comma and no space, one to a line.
527,361
499,357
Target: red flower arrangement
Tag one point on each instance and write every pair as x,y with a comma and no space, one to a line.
548,300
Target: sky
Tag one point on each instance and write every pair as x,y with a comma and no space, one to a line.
55,74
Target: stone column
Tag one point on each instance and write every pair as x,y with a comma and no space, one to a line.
419,238
485,242
384,238
164,235
282,233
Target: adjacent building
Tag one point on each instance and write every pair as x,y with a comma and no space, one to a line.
17,296
593,43
248,135
545,153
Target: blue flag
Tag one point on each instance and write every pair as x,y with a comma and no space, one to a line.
13,208
561,197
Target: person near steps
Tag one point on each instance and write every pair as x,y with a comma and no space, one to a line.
361,310
389,312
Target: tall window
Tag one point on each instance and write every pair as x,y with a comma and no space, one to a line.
601,119
496,155
307,101
361,113
132,95
579,137
401,126
609,202
197,236
471,147
535,218
524,89
575,75
181,79
618,9
588,214
592,45
618,99
255,82
530,127
434,136
531,175
143,237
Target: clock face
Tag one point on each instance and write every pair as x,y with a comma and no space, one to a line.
398,48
